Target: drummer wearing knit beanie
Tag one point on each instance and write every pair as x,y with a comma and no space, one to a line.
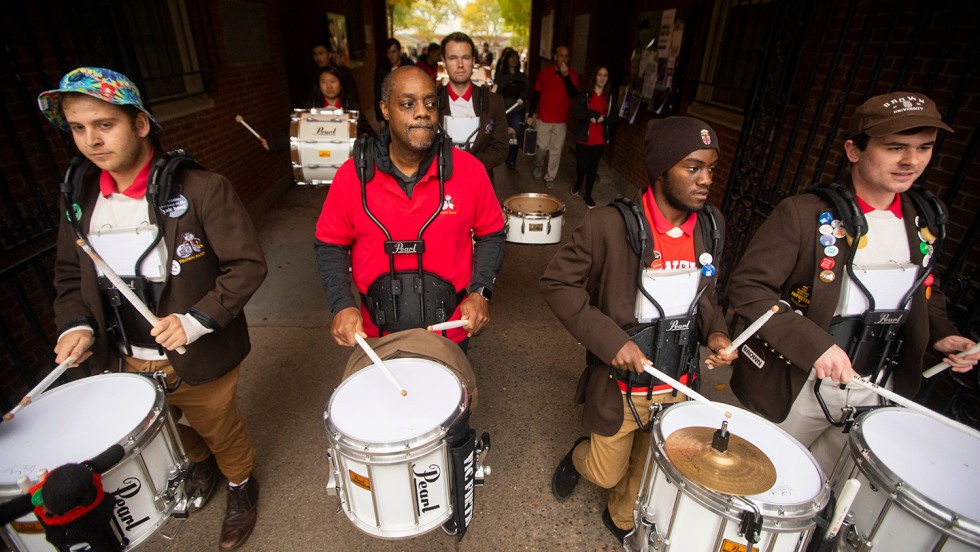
592,287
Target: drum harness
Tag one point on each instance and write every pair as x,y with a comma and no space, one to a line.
387,298
484,102
874,338
126,325
670,343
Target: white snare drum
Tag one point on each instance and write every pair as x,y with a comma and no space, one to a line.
77,421
674,513
920,483
533,218
320,141
389,461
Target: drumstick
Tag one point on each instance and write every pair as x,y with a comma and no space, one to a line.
942,365
517,104
900,400
377,361
122,287
844,501
40,387
447,325
240,119
683,388
750,331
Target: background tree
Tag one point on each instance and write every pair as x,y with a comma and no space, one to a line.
481,20
421,16
516,20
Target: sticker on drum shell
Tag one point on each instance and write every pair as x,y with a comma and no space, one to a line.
359,480
732,546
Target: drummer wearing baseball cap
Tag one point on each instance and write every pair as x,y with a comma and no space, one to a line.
801,258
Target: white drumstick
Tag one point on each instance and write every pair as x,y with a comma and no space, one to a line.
240,119
517,104
378,362
844,501
942,365
750,331
40,387
447,325
902,401
122,287
680,387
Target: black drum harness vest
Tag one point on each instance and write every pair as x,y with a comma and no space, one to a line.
389,298
125,324
873,340
671,343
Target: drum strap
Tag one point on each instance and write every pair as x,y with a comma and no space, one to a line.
461,441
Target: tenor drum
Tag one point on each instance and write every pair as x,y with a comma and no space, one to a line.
320,141
674,513
920,483
389,460
77,421
533,218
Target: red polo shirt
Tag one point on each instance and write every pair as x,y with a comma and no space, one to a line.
554,102
469,208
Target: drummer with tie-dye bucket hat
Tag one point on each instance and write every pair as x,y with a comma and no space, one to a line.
202,263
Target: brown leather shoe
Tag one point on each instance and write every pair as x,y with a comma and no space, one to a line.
201,481
243,510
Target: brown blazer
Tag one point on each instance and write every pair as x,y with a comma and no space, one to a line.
491,142
217,283
783,256
591,286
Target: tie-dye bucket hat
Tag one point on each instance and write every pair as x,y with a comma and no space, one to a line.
103,84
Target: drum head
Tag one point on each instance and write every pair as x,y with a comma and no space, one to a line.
367,407
798,478
523,204
928,457
75,422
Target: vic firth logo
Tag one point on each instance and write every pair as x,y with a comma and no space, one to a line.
422,481
131,487
676,326
400,247
321,131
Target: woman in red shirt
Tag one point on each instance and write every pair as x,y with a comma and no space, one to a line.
594,109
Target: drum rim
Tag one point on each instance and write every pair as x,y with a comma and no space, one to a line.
777,518
402,447
534,195
910,499
134,441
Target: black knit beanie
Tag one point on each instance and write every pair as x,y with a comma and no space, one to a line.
672,139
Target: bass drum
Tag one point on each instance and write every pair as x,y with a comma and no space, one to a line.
321,140
533,218
675,513
920,483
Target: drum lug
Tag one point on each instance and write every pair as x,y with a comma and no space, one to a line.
645,537
853,540
481,471
333,489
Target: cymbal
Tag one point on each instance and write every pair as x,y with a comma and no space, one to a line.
742,470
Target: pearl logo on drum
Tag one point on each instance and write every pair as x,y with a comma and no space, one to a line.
423,479
321,131
131,487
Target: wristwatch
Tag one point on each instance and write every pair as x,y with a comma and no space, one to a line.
484,292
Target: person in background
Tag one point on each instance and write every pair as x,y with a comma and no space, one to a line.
514,86
486,56
594,109
323,57
554,90
429,62
393,59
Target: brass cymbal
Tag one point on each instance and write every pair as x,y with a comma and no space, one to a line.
742,470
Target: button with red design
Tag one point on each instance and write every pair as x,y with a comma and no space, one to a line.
929,280
827,263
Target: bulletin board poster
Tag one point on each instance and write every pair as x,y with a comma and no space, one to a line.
337,34
547,31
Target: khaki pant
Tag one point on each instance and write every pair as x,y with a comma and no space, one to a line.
551,140
808,424
216,425
616,462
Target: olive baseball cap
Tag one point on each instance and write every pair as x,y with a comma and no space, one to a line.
102,84
895,112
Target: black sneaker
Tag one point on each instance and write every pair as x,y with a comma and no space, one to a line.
565,478
590,202
620,534
575,189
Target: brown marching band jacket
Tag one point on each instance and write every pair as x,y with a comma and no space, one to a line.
783,255
217,283
591,286
491,142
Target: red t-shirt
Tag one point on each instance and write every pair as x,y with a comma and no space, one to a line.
469,208
599,104
554,102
